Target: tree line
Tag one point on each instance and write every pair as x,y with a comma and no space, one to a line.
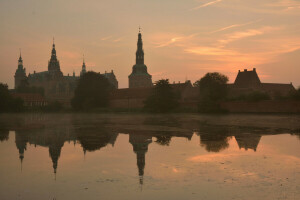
93,90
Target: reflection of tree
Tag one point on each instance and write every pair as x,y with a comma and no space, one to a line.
213,142
4,135
213,138
163,140
94,138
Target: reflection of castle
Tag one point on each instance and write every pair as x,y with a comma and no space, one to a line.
248,141
140,147
55,84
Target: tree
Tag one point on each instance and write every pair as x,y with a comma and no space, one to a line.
4,97
92,91
212,89
7,102
163,98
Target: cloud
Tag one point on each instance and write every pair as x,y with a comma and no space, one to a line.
210,51
106,38
173,40
244,34
234,26
206,4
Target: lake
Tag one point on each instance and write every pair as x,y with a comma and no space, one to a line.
138,156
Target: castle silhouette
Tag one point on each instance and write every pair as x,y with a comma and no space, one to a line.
58,87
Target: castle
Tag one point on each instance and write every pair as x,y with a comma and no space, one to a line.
57,86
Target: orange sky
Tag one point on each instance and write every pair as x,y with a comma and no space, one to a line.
183,39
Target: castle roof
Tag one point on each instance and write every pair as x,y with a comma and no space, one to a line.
39,75
247,78
283,89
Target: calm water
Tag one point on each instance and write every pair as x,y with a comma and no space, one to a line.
97,156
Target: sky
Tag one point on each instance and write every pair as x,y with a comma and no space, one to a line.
183,39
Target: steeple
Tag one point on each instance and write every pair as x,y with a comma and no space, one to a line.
20,61
20,74
139,77
83,70
140,51
53,65
53,53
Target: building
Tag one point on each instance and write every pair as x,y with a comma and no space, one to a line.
140,78
248,81
56,85
20,74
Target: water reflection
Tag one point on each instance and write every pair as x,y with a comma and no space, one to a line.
93,134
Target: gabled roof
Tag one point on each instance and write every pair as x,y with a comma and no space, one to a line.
247,78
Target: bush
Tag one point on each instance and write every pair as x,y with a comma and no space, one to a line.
212,90
7,102
92,91
163,98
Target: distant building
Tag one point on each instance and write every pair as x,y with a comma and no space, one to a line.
140,78
57,87
31,100
247,81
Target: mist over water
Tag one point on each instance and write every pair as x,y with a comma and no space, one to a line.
122,156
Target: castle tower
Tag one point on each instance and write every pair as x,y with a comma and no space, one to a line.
139,78
83,70
140,147
53,64
20,74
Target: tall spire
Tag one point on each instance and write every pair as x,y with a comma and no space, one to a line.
140,51
53,50
20,58
83,70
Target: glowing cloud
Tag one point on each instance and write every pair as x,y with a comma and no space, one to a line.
234,26
207,4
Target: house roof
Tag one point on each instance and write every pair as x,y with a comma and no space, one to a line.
247,78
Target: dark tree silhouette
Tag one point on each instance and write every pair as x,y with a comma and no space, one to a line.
162,99
92,91
7,102
213,89
163,140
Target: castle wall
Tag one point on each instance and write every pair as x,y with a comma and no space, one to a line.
271,106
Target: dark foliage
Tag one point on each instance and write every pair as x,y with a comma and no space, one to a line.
163,140
295,95
163,98
92,91
25,88
213,89
7,102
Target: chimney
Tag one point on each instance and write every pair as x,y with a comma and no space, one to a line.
254,69
245,70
